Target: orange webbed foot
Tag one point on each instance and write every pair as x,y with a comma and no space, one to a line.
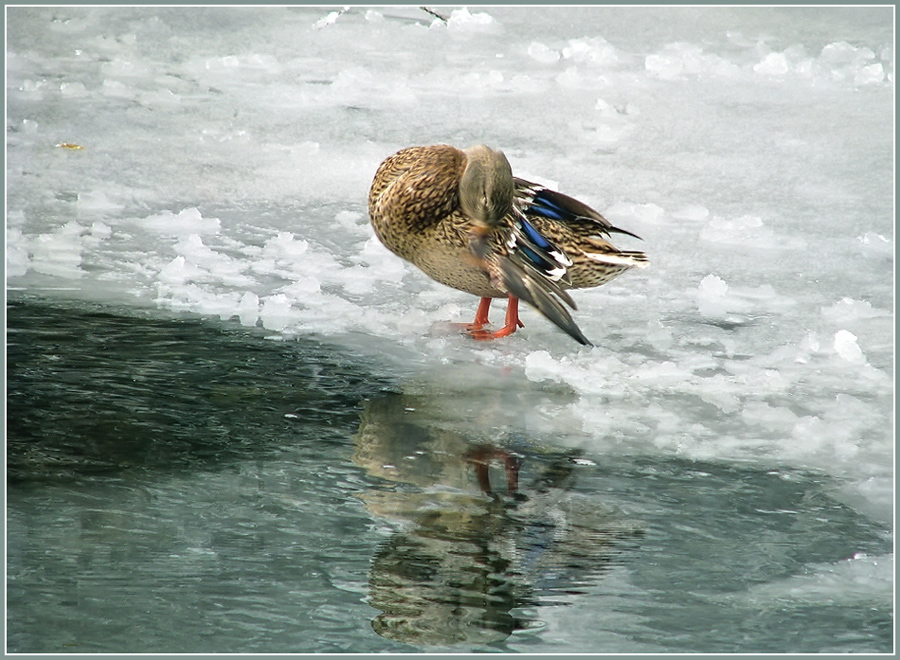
512,322
476,329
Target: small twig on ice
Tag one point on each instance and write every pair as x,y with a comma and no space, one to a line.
428,10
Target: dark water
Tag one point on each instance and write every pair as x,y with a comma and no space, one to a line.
178,485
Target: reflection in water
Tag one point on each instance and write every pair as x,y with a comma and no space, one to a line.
445,582
464,565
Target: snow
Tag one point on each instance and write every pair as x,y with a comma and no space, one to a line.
217,160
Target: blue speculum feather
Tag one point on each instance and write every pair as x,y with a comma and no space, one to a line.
543,206
535,258
545,211
533,235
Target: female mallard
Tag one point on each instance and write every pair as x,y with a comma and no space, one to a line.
462,217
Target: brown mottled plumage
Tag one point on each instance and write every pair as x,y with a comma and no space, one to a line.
467,222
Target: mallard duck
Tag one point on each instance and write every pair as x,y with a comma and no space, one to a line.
463,218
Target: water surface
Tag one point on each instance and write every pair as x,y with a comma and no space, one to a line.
188,485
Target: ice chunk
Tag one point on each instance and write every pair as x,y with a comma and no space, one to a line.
842,52
848,310
195,298
773,64
97,201
302,286
715,391
357,280
186,222
845,345
179,271
876,245
680,59
593,50
462,20
285,246
541,53
100,231
711,298
17,260
330,19
847,62
540,365
869,75
275,313
606,110
59,253
351,220
665,66
663,374
248,309
215,266
773,418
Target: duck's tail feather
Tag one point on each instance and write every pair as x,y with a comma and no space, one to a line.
625,258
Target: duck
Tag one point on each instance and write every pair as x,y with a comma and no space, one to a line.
464,219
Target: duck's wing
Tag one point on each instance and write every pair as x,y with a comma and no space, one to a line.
531,269
523,280
539,252
536,199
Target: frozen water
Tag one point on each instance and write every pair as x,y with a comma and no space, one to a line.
216,161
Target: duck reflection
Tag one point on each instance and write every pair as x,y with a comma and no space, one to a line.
473,551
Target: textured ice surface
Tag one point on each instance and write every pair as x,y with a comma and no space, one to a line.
216,161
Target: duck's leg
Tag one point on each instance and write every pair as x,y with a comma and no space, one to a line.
511,464
481,316
481,319
481,457
512,321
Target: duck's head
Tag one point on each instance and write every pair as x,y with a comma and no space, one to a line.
486,189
